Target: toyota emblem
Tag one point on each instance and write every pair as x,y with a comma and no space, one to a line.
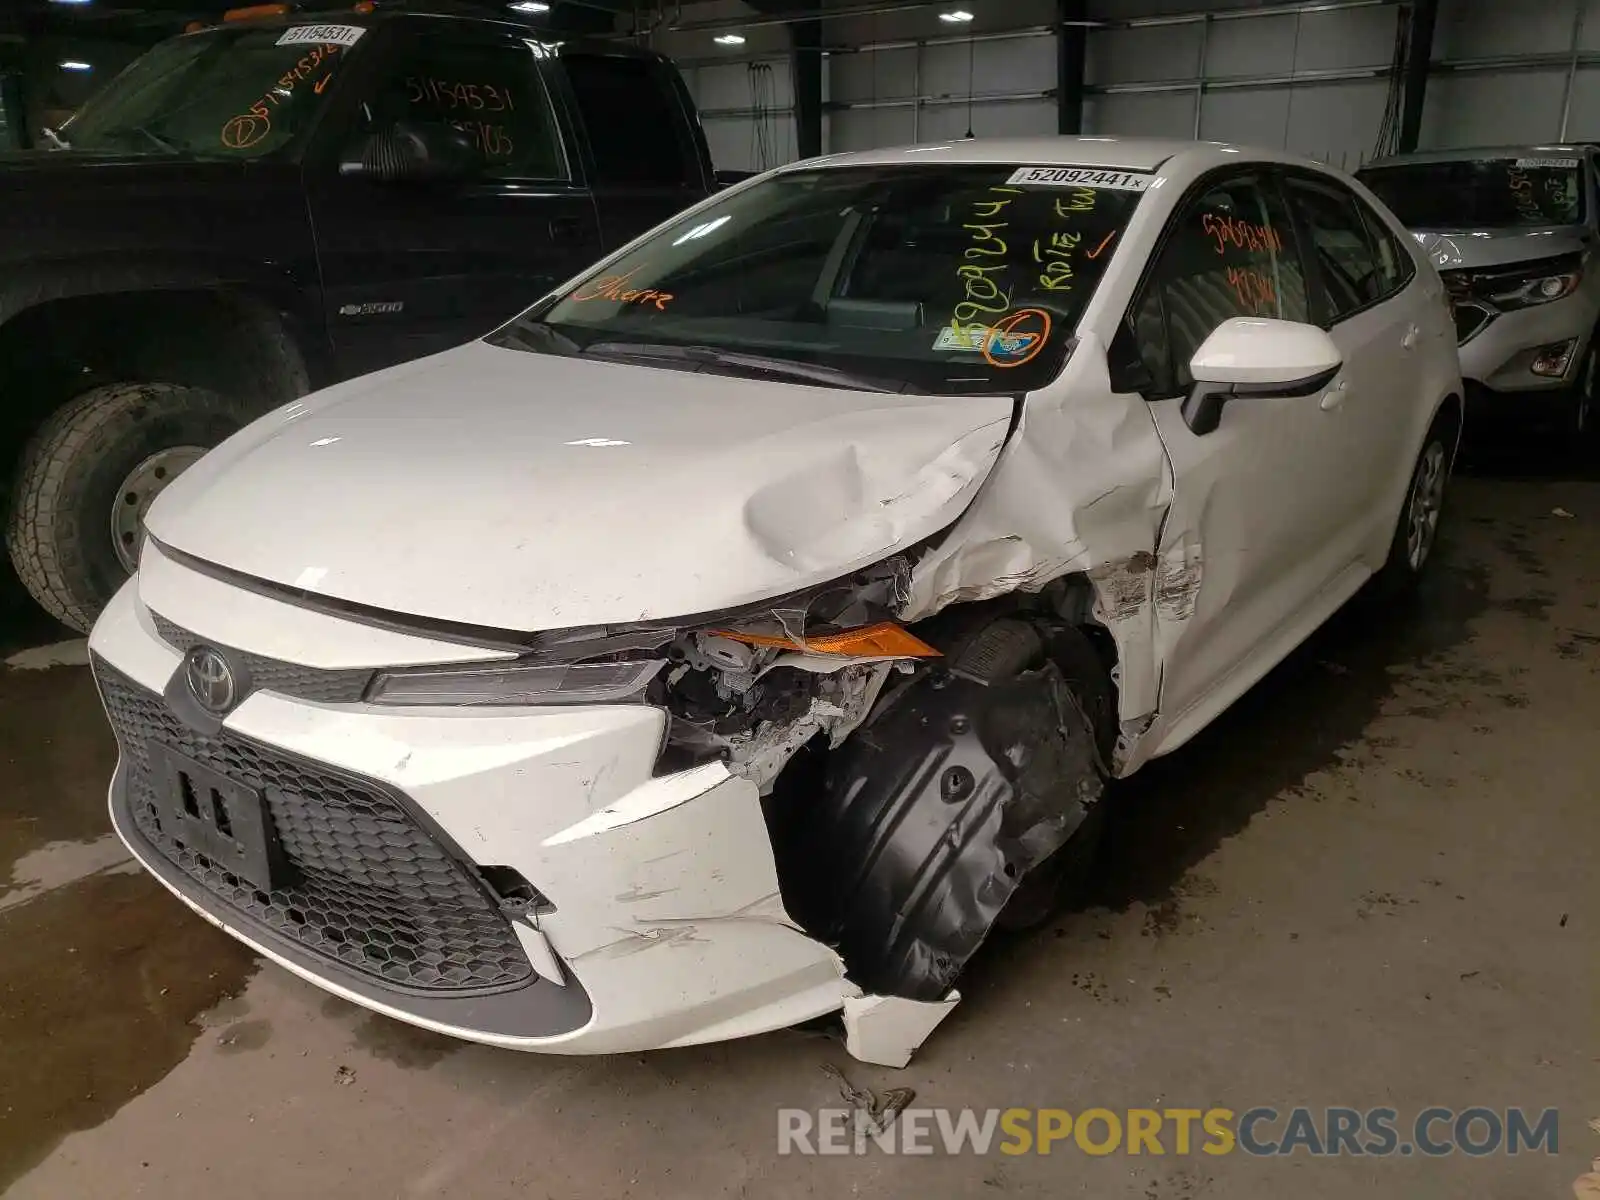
211,679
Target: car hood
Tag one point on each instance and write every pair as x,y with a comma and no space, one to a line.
1453,248
521,491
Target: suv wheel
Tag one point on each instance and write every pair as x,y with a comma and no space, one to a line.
89,476
1584,416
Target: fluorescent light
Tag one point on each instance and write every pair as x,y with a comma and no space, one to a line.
69,1
73,64
529,6
729,39
958,16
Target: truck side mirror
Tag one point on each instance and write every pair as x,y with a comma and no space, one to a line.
412,152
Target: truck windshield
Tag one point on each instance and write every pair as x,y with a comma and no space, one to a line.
941,279
243,92
1482,193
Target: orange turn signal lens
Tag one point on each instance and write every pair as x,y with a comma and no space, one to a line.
255,10
883,640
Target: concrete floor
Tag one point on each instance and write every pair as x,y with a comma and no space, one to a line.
1370,884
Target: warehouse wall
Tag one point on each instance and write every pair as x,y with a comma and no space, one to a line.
1316,82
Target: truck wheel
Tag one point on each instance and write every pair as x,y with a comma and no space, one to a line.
88,477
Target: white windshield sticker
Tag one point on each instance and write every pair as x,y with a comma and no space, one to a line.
1090,177
337,35
968,338
1547,162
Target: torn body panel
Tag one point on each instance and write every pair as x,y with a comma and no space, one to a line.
1082,487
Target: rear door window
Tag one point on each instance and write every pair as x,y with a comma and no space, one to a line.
1349,264
634,121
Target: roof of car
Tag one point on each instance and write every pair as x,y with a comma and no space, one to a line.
1176,159
1471,153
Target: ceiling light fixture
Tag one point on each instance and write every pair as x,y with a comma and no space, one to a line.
529,6
729,39
957,16
73,64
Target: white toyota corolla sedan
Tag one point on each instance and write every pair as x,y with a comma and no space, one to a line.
743,631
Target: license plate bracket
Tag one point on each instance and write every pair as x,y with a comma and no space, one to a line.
221,818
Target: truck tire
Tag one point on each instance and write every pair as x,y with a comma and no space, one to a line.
87,478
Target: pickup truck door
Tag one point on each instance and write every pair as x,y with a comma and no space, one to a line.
645,151
413,267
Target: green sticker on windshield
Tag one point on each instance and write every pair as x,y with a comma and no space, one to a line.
970,339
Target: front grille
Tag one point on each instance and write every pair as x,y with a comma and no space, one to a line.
371,889
274,675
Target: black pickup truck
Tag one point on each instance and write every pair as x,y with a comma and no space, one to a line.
273,204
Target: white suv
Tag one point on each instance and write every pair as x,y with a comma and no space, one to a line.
739,634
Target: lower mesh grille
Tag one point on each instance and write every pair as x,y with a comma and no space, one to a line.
372,889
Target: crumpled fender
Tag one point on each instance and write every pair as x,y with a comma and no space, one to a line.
1082,486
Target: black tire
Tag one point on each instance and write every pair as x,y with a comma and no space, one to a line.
1405,567
1584,422
69,481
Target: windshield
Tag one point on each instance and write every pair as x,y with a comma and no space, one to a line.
224,93
1485,193
928,279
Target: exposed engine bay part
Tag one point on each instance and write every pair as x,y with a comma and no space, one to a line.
903,846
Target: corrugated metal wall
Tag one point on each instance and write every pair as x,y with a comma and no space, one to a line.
1312,77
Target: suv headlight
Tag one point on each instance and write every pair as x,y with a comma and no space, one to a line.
1554,280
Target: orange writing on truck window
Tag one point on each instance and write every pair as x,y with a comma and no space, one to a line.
248,128
615,287
1240,234
479,97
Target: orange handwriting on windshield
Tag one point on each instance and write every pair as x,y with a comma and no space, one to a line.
248,128
615,287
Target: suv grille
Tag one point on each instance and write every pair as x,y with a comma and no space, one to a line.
274,675
371,889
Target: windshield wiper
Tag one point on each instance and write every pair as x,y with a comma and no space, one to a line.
742,362
56,140
525,335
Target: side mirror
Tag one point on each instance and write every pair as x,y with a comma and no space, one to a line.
1257,356
413,152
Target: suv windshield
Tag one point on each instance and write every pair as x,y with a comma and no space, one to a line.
1484,193
927,279
243,92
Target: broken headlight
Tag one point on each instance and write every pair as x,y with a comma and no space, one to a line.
517,683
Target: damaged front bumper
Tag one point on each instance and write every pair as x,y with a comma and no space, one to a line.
519,877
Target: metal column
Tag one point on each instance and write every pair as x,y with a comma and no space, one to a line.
1419,52
805,67
1072,44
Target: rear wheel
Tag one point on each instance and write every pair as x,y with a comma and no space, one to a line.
1418,529
88,478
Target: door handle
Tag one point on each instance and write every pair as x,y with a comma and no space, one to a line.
1410,339
1334,396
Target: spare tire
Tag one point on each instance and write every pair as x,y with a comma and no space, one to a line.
87,478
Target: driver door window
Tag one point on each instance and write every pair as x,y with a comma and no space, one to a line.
489,92
1230,252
